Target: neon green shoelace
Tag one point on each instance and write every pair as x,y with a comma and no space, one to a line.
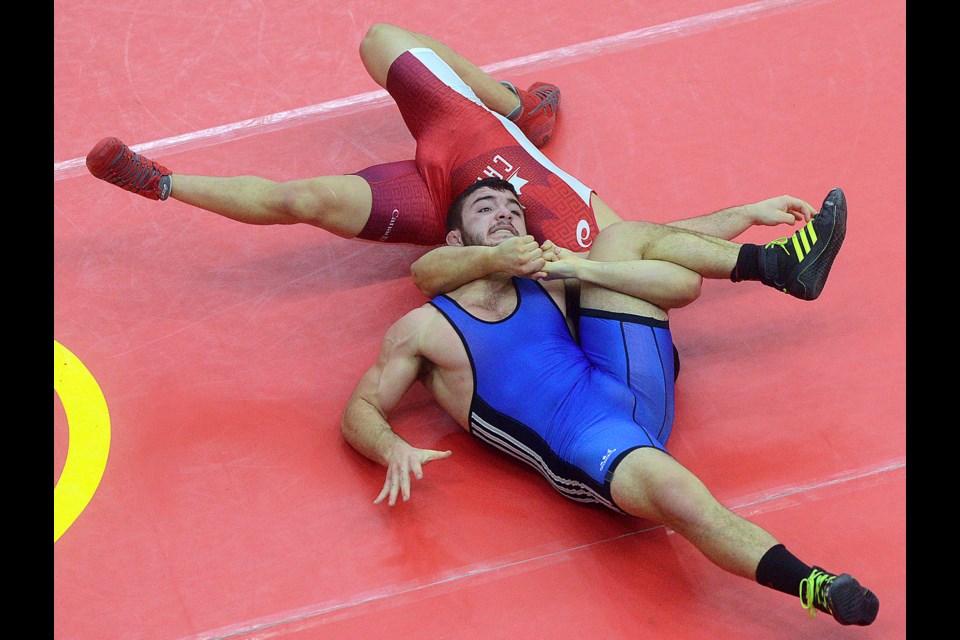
815,591
780,242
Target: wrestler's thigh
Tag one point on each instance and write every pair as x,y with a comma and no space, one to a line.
650,483
338,204
618,240
401,209
594,297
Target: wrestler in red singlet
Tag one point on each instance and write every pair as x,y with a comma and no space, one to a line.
460,141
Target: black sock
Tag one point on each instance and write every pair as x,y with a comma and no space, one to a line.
748,263
781,570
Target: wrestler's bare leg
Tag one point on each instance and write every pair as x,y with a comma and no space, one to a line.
709,256
610,245
338,204
384,43
650,484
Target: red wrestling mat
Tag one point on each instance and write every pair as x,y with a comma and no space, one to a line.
202,489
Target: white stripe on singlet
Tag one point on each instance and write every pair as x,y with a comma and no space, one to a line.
448,76
572,489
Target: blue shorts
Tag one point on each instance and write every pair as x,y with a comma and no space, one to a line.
634,374
638,351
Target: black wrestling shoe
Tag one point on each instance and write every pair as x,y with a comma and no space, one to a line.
799,265
840,596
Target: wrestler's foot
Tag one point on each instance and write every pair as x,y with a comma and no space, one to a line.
840,596
116,163
799,265
537,113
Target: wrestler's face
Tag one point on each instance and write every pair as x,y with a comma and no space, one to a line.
490,217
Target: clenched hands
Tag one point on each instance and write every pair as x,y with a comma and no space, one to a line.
560,262
520,256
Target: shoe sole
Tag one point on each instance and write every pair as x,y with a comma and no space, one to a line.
103,155
868,611
811,275
853,604
107,153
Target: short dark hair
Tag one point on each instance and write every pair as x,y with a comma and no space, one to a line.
455,212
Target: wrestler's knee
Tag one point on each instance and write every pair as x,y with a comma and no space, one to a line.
651,484
298,200
336,203
381,45
689,286
375,36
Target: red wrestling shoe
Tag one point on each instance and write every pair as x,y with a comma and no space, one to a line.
116,163
538,111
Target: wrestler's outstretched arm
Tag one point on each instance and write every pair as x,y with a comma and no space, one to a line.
364,425
445,268
730,223
618,266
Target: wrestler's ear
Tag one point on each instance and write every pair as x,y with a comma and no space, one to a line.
454,238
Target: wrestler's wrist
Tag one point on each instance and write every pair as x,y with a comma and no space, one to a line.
493,259
571,267
750,214
385,441
580,268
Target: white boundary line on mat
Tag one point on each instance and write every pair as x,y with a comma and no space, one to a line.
373,99
313,617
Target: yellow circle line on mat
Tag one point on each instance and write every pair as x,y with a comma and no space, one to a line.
88,422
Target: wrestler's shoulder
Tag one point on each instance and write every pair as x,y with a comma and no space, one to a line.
424,315
419,331
425,320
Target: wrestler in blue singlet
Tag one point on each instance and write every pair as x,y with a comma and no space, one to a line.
565,410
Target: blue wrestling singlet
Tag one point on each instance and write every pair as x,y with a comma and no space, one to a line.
568,413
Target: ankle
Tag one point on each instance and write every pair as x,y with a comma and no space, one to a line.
748,263
517,111
166,186
782,571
